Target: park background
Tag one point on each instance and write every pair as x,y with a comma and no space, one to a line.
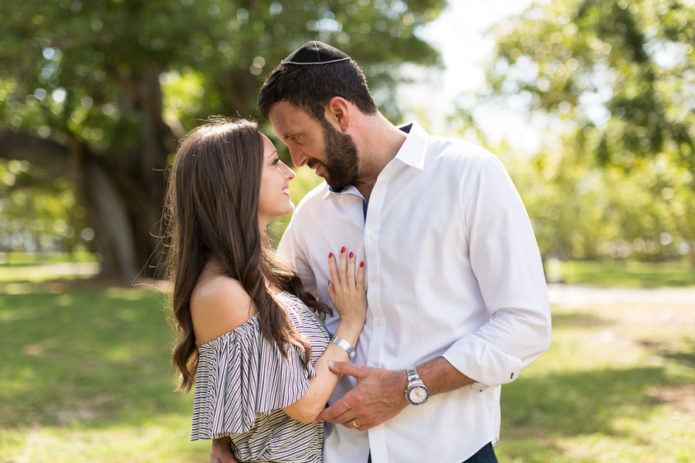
590,104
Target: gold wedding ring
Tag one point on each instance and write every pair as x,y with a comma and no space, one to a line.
354,424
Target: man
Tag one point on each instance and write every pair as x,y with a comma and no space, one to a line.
455,286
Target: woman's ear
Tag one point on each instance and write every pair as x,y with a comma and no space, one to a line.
338,112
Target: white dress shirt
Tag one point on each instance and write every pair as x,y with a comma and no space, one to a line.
452,269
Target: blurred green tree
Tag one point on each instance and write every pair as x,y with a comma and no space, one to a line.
99,91
618,77
37,212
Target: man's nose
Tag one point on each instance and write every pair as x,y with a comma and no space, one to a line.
298,157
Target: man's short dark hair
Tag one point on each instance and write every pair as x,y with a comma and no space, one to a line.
311,87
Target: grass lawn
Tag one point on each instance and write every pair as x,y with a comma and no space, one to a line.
626,274
86,377
617,385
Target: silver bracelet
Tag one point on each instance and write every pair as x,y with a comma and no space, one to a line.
345,345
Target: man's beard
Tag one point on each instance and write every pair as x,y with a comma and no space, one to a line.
341,157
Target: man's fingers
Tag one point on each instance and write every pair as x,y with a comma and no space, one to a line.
347,368
342,418
329,414
361,425
341,407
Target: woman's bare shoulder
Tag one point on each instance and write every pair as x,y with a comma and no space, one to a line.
219,304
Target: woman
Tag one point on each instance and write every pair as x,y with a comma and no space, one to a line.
249,334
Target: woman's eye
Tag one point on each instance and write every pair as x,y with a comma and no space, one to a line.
276,161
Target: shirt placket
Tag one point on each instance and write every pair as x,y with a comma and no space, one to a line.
375,354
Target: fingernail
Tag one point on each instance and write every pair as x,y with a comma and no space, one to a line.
342,250
330,255
351,254
361,264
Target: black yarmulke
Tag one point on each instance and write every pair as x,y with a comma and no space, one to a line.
315,52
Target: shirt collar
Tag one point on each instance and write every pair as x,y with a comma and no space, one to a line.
414,148
412,153
348,190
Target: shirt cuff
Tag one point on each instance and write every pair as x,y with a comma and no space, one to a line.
484,363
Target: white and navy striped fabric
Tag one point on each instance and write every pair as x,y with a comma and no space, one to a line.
243,381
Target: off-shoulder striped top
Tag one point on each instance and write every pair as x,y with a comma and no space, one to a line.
243,381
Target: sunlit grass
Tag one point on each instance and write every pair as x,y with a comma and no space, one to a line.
24,266
46,272
33,258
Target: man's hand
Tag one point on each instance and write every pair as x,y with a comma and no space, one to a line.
377,397
221,451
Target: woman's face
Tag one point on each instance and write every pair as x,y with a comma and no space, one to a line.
274,198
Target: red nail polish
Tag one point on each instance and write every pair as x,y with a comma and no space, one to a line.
361,264
351,254
342,250
330,254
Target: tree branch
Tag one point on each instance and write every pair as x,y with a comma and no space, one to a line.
29,147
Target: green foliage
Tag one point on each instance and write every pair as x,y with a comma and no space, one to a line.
38,213
114,83
581,210
69,63
616,79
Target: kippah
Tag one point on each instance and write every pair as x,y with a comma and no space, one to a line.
315,52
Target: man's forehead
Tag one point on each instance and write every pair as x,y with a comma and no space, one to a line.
286,117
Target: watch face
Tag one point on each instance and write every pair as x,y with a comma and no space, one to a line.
417,395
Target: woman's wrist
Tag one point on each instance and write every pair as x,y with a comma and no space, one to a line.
349,330
344,345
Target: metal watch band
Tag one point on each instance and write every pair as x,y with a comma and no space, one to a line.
345,345
412,375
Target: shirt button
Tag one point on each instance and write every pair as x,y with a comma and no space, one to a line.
372,279
379,323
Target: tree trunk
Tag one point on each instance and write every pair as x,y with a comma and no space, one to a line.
108,215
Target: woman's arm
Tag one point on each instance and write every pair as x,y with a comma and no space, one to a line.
347,293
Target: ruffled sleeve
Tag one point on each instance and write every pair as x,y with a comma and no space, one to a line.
240,376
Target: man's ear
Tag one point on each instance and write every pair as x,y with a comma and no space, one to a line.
338,112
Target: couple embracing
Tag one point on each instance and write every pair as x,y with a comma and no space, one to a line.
406,290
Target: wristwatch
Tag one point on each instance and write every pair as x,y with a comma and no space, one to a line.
416,392
345,345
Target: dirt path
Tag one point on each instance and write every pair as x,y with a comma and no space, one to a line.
579,295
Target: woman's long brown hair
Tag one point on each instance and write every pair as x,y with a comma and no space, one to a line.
211,210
